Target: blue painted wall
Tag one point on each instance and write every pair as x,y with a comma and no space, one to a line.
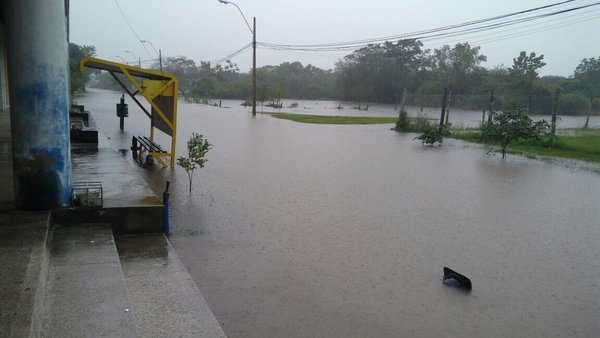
38,85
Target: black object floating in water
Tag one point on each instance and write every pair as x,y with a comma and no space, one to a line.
452,277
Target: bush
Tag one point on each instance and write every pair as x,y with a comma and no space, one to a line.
431,135
403,123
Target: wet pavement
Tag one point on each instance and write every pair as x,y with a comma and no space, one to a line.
121,184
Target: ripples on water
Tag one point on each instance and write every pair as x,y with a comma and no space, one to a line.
321,230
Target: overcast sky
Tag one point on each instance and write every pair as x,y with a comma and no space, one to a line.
208,30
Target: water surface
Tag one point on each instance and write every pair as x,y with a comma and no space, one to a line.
301,230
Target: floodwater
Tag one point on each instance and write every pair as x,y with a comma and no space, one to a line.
300,230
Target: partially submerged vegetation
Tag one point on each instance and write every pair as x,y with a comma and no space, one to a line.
577,144
329,119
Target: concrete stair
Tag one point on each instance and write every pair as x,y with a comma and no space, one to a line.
85,292
166,300
23,270
71,281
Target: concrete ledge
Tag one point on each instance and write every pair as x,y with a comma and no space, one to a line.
146,219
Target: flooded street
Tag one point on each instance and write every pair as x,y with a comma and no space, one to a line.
302,230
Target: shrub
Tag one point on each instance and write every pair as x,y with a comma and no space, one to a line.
403,123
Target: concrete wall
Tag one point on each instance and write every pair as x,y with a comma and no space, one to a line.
4,102
38,81
123,221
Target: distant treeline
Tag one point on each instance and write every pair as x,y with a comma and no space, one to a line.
382,72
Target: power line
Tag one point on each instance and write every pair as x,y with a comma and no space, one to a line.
441,32
131,28
236,53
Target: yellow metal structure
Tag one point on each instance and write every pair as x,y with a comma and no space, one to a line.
158,88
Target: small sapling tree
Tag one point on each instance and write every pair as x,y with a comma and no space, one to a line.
512,124
197,148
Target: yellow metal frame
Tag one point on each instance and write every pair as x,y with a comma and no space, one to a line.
154,84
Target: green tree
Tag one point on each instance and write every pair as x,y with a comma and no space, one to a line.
455,66
79,79
277,96
587,75
262,94
197,148
511,124
576,103
184,69
524,73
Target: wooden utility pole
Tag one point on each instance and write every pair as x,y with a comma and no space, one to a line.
402,101
556,100
253,65
448,107
491,110
444,102
587,119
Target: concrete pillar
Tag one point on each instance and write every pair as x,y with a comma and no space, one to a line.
39,108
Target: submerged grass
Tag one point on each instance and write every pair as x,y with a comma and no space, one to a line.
329,119
577,144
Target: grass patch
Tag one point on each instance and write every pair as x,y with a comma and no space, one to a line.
328,119
577,144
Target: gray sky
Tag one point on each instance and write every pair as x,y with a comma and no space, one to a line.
208,30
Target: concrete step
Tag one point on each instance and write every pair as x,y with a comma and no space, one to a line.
85,293
166,300
23,269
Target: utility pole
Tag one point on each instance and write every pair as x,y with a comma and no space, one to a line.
254,66
444,102
556,101
160,59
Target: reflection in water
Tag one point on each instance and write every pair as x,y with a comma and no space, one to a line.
322,230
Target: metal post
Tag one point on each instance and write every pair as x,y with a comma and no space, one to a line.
122,117
254,67
166,225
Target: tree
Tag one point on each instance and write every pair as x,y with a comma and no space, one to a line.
455,66
587,75
524,72
184,69
262,94
197,148
576,103
79,79
511,124
277,98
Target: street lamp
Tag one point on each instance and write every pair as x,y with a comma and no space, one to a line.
122,60
158,53
138,59
253,31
